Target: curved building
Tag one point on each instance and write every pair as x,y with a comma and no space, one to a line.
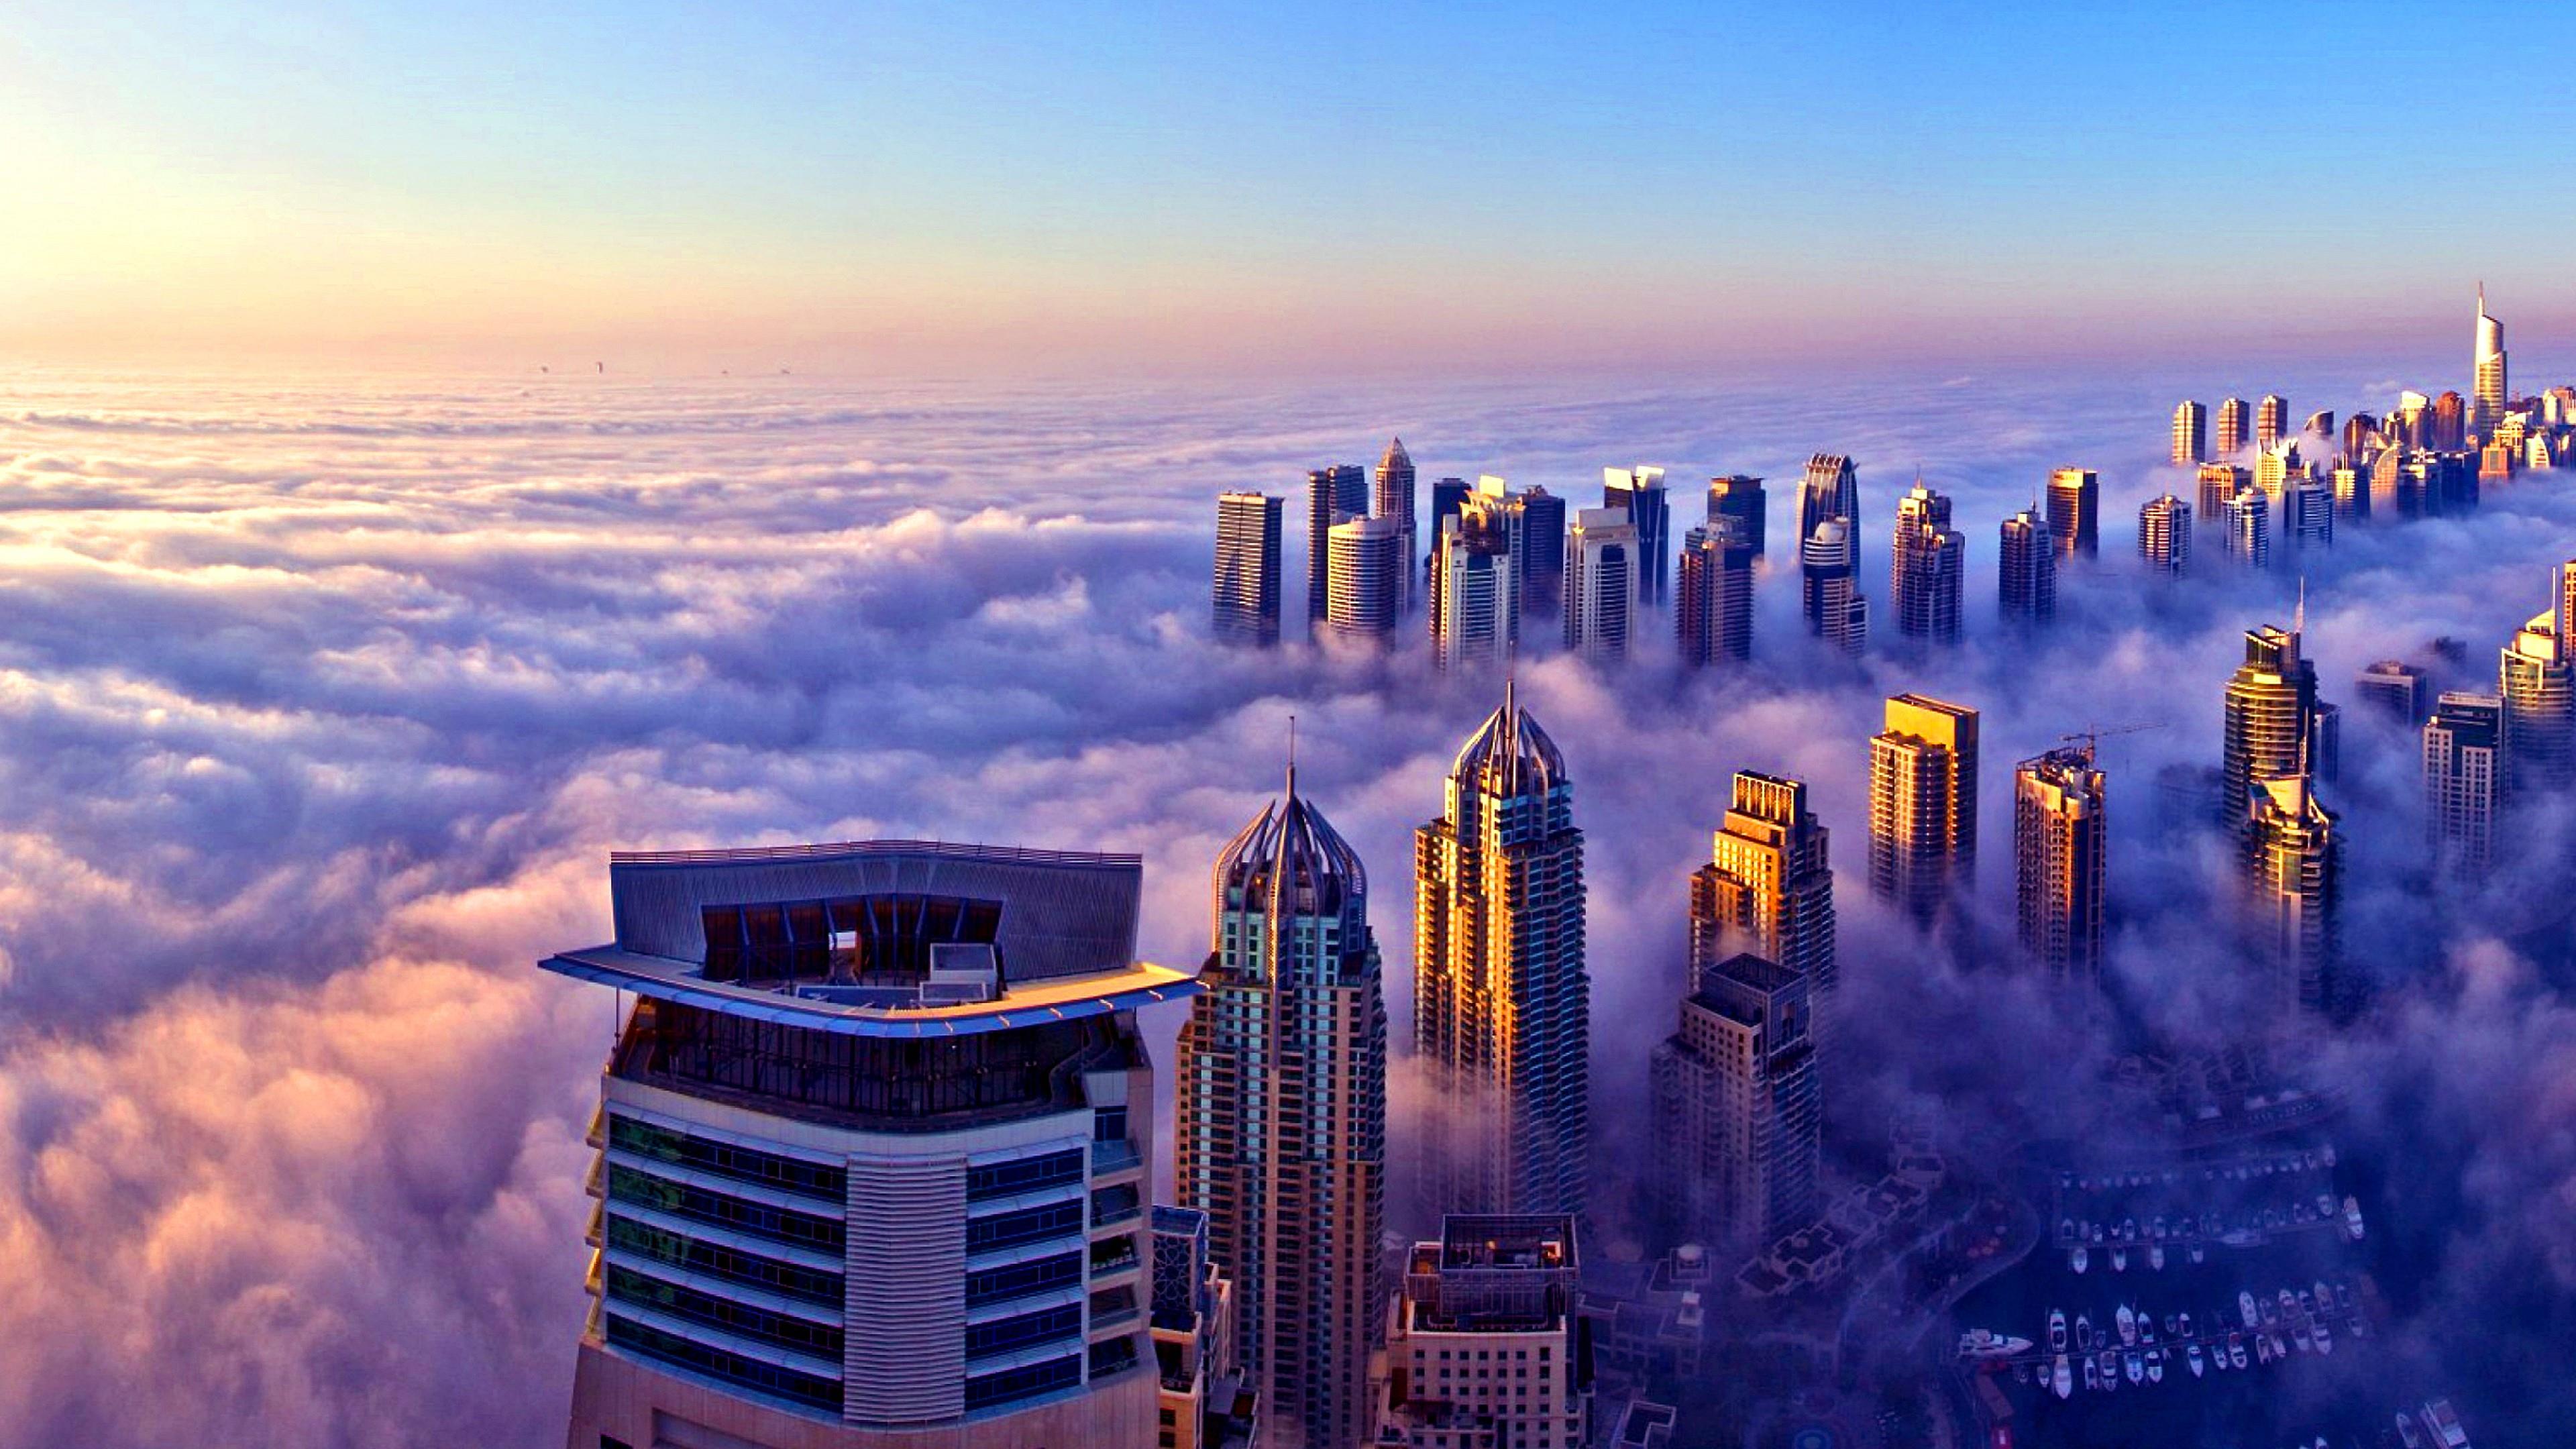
875,1142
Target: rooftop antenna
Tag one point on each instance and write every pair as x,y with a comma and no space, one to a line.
1292,756
2299,616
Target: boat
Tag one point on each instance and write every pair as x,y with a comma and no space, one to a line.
2325,1337
2326,1206
2083,1333
2079,1260
2241,1238
2128,1324
2092,1375
2110,1370
2235,1350
2299,1338
2327,1152
2325,1296
2191,1356
2134,1366
2181,1329
2061,1378
2146,1329
2245,1306
2156,1257
2262,1348
2119,1260
2289,1303
2445,1424
2198,1253
2408,1434
2057,1330
2343,1297
1985,1345
2352,1218
2155,1365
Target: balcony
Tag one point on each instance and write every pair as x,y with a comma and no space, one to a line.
1112,1256
1115,1156
1111,1206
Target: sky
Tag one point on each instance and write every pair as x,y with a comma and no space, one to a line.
1049,188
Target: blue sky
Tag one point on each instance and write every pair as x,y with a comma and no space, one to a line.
1048,181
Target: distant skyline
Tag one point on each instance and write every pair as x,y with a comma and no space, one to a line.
1041,187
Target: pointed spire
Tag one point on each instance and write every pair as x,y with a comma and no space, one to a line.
2299,616
1292,758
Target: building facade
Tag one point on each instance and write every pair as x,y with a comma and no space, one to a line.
1487,1350
1201,1401
1247,569
2271,710
2294,864
1601,562
2026,569
2061,857
2190,433
2232,428
1640,491
1391,496
2075,512
1768,888
2271,422
1739,496
2488,386
1713,599
1736,1109
1926,563
1475,607
1365,581
1829,552
1333,495
874,1144
2164,534
1923,806
2463,766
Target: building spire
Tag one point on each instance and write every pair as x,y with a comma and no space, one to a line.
1292,757
2299,616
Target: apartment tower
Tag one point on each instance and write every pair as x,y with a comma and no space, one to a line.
2061,845
1247,569
2026,569
1923,805
1925,562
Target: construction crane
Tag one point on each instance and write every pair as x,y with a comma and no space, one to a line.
2092,735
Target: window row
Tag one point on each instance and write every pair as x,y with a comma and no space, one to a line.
1025,1382
718,1261
724,1159
758,1219
808,1389
1028,1225
1024,1174
1015,1280
625,1285
983,1340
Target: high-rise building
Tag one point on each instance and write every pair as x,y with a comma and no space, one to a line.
2190,433
2233,427
2061,852
1829,551
1736,1109
2325,742
2350,488
2536,679
1923,805
1448,497
1542,557
1501,1002
2026,569
2320,425
2302,509
2450,423
1282,1133
2164,534
2271,711
1475,596
2361,439
1488,1350
2249,528
2394,688
1640,491
1332,495
2294,871
2463,756
2075,512
1203,1402
1392,497
1925,562
875,1142
1601,560
1713,602
2271,422
1364,585
1769,885
1247,568
2487,371
1739,496
2219,484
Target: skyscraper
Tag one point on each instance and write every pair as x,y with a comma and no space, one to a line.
1247,569
2487,371
1475,594
2350,489
1501,1001
1332,495
2271,422
2232,427
2463,759
2164,534
1393,498
1364,587
2537,682
1499,1288
1542,557
2026,569
1739,496
1640,491
2361,439
2249,528
2449,424
1600,583
2320,424
2271,709
2061,852
2219,484
1448,496
1829,551
1282,1132
2075,512
1769,885
1736,1109
2394,688
1713,604
1925,562
2190,433
1200,1396
1923,805
875,1142
2294,857
2302,509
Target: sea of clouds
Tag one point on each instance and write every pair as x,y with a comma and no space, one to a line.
322,702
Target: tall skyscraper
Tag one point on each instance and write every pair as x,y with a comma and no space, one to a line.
2536,679
1736,1109
1247,569
1640,491
2271,710
1393,498
1829,551
1542,558
2302,508
2219,484
1498,1288
1769,885
2487,371
1282,1132
1923,805
1501,1002
2463,760
2249,528
1364,585
1475,592
2075,512
1332,495
875,1143
2233,427
2271,422
1448,500
2164,534
2190,433
2394,688
1925,562
2349,486
2061,853
2361,439
2320,425
2294,857
1713,603
2449,424
1739,496
2026,569
1601,560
